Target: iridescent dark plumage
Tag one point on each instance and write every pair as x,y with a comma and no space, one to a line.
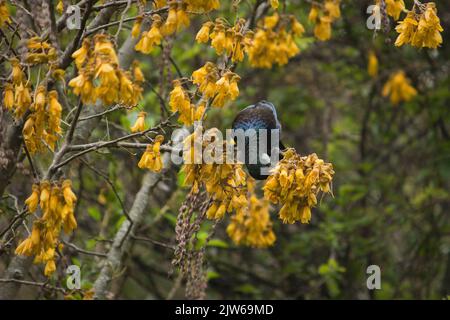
261,115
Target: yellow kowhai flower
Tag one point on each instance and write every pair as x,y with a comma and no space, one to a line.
24,248
202,6
220,89
406,29
58,74
100,76
398,88
69,197
139,125
50,139
203,34
104,47
177,18
17,75
194,113
8,96
136,29
226,89
322,16
180,102
228,40
29,135
50,267
60,7
274,4
322,29
108,90
252,226
82,86
270,22
127,91
44,198
219,38
332,9
394,8
313,13
33,200
57,203
274,41
422,30
40,99
170,25
205,78
54,111
178,96
80,55
429,29
372,66
137,72
158,4
22,98
4,14
40,51
297,27
151,158
295,183
224,183
150,38
182,18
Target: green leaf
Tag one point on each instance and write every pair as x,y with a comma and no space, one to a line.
218,243
94,213
212,275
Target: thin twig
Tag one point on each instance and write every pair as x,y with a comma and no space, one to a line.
145,239
90,253
116,107
106,178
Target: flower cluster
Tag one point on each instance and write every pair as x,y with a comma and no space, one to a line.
372,66
421,27
394,8
229,40
17,93
177,18
151,159
202,6
180,102
322,15
4,13
220,86
139,125
57,202
149,38
43,125
40,52
252,226
398,88
295,183
225,183
274,4
195,6
60,7
100,76
274,41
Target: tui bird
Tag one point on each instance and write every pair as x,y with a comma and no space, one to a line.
261,115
